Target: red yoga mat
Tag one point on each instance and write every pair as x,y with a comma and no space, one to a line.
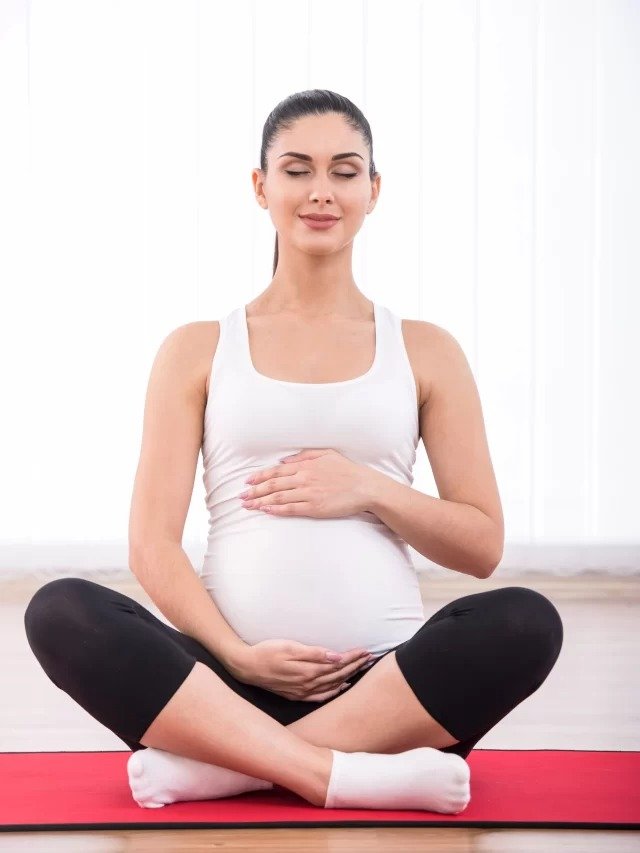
541,788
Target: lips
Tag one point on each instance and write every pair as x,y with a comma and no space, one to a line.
320,217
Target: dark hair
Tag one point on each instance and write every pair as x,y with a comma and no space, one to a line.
312,102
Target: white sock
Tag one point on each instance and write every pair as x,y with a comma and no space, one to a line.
422,778
157,778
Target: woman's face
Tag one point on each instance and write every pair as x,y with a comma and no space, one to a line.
340,187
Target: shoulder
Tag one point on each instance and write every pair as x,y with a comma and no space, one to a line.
197,342
426,344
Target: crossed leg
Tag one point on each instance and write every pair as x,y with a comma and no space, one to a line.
380,713
298,756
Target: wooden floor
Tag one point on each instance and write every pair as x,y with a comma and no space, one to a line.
591,700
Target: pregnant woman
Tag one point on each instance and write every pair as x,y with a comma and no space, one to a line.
300,656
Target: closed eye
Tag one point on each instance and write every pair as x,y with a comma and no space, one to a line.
340,174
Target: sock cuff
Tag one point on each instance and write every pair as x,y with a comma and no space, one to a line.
334,780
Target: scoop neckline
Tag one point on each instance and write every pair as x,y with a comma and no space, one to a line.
374,365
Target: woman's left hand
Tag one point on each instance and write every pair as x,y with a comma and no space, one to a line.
313,483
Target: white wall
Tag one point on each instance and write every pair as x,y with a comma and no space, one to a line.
507,135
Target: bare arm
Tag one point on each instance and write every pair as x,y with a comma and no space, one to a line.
454,535
463,529
167,576
171,442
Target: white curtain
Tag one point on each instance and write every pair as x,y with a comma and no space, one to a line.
507,135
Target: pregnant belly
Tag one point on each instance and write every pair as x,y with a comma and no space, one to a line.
341,588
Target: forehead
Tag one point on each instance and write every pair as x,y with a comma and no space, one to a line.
320,136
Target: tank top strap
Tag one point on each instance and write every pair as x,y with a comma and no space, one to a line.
230,355
388,333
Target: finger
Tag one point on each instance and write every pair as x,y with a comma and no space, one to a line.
352,668
338,672
357,655
347,659
336,679
323,691
354,662
319,655
366,657
329,694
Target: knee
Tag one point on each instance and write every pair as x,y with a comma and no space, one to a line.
53,609
533,623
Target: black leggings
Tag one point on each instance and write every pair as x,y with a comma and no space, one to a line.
469,665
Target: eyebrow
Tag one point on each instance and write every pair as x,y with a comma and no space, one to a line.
310,159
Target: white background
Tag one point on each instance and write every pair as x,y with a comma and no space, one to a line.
507,135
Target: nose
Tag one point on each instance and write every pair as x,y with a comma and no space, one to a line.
320,191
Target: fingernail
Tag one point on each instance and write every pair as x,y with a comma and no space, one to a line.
333,656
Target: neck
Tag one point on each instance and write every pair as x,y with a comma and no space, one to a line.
313,300
311,286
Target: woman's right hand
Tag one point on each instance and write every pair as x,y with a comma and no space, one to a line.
296,671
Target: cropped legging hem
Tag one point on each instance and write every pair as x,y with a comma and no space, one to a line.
469,664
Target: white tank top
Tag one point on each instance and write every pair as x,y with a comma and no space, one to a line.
339,583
